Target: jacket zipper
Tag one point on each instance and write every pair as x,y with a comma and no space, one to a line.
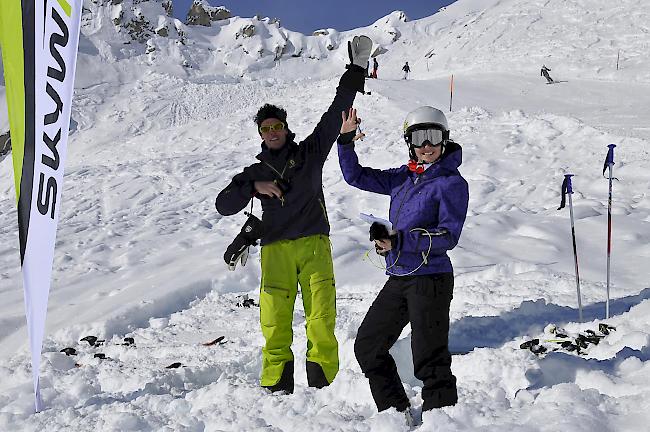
281,174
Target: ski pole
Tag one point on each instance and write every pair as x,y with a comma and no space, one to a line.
360,133
609,163
451,91
567,189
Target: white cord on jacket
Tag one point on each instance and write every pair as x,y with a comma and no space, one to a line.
425,256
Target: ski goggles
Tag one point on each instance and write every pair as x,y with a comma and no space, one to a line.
274,127
421,137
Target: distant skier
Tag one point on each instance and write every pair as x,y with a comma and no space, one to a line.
294,232
375,67
406,68
544,72
428,206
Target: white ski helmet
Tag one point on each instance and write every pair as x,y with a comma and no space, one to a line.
425,117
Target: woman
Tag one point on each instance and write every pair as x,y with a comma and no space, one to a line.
428,205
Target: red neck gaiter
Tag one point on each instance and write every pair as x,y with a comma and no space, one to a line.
415,167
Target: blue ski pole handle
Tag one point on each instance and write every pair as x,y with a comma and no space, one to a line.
566,188
609,159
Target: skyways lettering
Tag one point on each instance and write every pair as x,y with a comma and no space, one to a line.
47,186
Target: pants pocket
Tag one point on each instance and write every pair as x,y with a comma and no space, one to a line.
323,295
276,290
276,304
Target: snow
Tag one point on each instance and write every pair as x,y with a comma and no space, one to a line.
139,249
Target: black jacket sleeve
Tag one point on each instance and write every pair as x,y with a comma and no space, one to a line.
320,141
237,194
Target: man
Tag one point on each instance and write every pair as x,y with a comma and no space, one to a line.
294,232
375,67
544,72
406,68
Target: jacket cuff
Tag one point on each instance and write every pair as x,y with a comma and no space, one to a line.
354,78
346,138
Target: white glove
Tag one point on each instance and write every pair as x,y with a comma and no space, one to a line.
359,50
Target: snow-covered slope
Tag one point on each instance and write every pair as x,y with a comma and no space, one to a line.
577,37
581,38
139,249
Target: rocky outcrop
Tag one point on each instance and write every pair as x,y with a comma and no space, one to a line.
169,7
246,31
401,16
139,28
201,13
5,145
118,20
395,34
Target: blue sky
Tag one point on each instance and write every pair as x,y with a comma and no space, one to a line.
307,16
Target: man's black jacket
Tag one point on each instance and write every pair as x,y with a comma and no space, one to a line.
302,211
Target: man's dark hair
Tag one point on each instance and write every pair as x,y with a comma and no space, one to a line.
270,111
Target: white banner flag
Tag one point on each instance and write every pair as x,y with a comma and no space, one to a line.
40,38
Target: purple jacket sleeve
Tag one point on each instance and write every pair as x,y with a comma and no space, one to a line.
452,211
368,179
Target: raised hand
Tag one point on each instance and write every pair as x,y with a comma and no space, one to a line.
350,123
383,246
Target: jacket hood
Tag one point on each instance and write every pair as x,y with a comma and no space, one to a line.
452,158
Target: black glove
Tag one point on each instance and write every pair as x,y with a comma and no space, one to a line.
359,52
379,231
248,236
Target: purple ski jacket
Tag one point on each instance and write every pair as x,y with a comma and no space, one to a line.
435,200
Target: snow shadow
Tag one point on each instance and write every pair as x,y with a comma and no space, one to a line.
528,319
559,367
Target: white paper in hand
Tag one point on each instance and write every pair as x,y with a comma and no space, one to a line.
370,218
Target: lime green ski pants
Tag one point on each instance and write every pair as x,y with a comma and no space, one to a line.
286,263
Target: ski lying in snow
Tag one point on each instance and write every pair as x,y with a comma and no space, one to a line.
215,341
557,339
94,342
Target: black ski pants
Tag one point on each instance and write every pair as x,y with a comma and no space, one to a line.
424,302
